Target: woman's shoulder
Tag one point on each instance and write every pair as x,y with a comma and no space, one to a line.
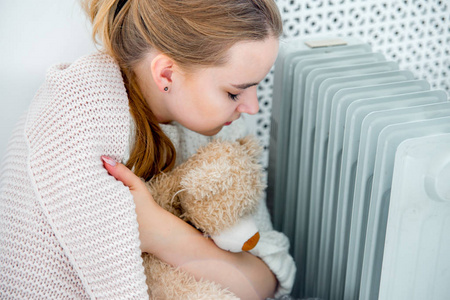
94,70
88,91
93,79
97,60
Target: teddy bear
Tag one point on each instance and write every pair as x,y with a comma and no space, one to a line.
217,190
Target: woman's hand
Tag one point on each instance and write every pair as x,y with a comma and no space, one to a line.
147,210
177,243
135,184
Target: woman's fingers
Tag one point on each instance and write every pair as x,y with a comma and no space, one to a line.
121,173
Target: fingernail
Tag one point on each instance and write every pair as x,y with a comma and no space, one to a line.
109,161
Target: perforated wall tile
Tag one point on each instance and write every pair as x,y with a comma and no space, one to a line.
414,33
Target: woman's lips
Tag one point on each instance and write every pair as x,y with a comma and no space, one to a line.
229,123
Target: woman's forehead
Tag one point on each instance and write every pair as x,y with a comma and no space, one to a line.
248,62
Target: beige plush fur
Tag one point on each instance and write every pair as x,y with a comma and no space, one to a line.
212,190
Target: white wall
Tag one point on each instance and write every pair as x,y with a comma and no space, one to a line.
34,34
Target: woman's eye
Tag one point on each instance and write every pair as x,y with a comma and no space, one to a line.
233,97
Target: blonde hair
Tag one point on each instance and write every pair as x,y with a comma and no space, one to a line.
192,32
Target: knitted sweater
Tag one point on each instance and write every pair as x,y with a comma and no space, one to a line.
67,228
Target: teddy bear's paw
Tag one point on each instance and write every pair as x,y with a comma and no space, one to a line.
242,236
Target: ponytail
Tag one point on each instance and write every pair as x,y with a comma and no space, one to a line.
152,152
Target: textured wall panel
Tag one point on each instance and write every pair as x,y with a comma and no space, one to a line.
415,34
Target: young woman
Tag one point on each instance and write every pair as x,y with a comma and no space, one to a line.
172,74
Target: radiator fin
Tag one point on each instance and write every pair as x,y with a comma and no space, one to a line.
341,113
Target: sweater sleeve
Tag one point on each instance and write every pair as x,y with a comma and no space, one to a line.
79,114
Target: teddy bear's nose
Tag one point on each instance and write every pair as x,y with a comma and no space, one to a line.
251,242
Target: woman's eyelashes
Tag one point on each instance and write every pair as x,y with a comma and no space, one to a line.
234,97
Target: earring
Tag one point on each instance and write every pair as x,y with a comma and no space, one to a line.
166,88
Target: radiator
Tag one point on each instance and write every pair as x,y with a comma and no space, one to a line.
359,173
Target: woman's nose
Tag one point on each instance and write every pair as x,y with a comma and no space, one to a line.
250,105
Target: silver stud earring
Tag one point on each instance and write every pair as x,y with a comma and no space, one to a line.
166,88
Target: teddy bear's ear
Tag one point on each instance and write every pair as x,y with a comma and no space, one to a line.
251,145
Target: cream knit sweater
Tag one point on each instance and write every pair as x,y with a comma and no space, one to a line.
67,228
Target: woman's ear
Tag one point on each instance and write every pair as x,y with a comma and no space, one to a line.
162,68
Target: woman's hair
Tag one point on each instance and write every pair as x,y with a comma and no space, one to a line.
193,33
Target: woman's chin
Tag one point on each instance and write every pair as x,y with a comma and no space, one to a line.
211,132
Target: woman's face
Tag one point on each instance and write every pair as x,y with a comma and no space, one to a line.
213,97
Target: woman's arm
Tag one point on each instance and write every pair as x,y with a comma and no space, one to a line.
177,243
